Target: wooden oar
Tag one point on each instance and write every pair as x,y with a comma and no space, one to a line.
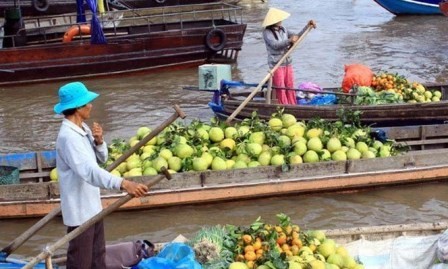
39,225
305,31
61,242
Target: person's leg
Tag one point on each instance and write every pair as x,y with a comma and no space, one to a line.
99,247
278,80
289,83
80,249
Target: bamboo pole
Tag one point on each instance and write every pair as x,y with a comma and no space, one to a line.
305,31
56,211
83,227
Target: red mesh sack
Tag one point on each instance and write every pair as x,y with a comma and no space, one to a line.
356,74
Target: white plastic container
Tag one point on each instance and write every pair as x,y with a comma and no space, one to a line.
210,75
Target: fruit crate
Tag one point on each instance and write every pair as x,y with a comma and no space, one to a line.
9,175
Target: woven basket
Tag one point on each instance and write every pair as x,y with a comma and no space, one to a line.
9,175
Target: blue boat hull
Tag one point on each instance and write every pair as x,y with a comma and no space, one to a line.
411,7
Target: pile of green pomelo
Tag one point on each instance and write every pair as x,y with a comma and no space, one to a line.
279,141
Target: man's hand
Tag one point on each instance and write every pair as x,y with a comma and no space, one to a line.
133,188
97,132
293,38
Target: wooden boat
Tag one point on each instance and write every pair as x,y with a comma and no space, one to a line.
443,6
47,7
140,40
427,162
225,102
411,7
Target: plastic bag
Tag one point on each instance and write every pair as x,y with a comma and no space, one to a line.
323,99
173,256
356,74
308,86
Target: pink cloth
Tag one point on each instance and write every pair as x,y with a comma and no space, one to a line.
284,77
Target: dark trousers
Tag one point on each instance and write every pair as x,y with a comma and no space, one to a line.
88,250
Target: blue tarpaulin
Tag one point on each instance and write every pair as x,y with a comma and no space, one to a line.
96,32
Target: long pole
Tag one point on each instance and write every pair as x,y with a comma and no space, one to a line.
83,227
305,31
45,220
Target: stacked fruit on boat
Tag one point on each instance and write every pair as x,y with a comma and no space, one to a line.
281,141
388,88
269,246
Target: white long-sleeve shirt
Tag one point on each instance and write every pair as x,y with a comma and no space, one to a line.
80,177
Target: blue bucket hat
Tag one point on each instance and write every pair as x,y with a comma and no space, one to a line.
73,95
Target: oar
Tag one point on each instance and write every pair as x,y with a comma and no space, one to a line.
61,242
305,31
40,224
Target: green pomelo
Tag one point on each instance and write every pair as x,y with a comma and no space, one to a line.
208,157
300,148
145,155
242,130
318,234
316,264
135,172
314,132
253,164
230,164
353,154
275,124
166,154
183,151
314,144
257,137
230,132
152,141
134,163
284,141
339,155
334,144
238,265
362,147
368,155
149,148
203,134
377,144
114,172
243,157
239,164
219,163
295,159
265,158
326,249
142,132
200,164
295,130
54,174
254,149
288,120
216,134
227,143
278,159
310,157
336,259
175,163
325,155
158,163
149,171
293,265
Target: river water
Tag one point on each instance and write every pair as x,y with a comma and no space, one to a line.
348,31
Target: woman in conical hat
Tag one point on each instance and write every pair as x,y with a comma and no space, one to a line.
278,40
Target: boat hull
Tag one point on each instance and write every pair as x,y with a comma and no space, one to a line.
33,200
411,7
130,48
400,114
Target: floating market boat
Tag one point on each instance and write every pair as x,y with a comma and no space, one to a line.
55,7
139,40
411,7
226,100
35,196
443,6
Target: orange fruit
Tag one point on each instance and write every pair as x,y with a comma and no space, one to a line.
249,248
250,256
247,238
257,245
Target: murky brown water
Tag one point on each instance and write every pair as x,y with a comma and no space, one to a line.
348,31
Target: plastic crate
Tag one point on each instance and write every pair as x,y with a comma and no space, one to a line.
9,175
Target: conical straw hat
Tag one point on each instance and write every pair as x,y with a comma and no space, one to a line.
275,15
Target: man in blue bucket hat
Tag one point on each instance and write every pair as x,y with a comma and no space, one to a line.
79,149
